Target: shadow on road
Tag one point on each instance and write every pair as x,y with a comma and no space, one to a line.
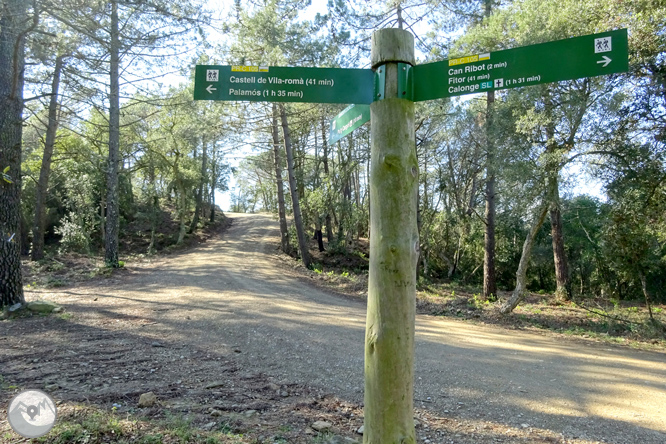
222,310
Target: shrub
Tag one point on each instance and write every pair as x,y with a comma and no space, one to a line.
74,236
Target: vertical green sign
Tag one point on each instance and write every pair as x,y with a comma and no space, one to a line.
349,119
568,59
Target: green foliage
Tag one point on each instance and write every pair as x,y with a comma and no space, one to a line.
97,425
73,236
162,139
337,247
81,218
611,127
477,302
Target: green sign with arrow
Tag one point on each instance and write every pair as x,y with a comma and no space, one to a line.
349,119
283,84
574,58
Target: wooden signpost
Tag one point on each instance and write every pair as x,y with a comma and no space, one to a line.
390,88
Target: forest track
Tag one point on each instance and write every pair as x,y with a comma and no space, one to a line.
228,297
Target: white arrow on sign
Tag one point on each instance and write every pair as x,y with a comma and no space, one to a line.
210,89
605,61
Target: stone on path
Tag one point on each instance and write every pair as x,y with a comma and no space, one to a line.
321,426
147,400
337,439
43,307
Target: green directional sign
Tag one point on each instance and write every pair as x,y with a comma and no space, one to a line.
349,119
586,56
574,58
283,84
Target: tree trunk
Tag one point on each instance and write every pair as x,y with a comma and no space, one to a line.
45,170
25,236
282,213
367,175
298,220
205,203
199,196
394,252
489,276
112,200
298,169
357,191
345,190
450,265
182,211
521,274
327,222
317,184
212,207
102,220
559,254
154,203
12,58
213,185
320,240
423,268
553,169
648,304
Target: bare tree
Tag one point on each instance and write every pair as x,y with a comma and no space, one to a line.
298,220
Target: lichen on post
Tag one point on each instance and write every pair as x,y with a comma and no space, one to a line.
394,251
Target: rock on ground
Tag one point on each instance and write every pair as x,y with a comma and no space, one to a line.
43,307
147,400
321,426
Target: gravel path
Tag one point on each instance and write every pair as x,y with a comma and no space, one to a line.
229,295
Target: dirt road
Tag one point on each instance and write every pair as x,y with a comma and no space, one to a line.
228,295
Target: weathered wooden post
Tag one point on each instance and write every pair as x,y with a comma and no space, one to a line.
394,247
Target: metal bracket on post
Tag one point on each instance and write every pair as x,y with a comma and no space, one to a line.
405,82
380,83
